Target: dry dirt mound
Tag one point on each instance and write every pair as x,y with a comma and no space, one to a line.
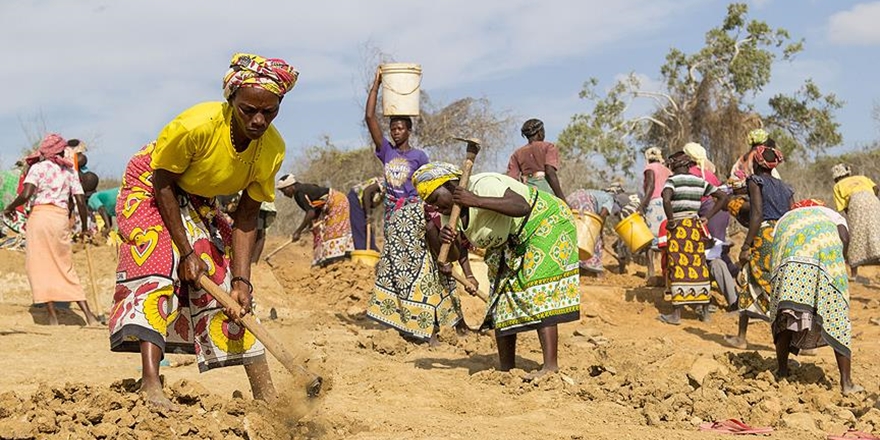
84,411
675,390
340,282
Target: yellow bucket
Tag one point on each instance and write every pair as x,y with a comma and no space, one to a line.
634,231
368,258
589,227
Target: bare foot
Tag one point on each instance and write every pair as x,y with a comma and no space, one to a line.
53,320
736,342
850,389
91,321
670,319
539,373
156,399
434,341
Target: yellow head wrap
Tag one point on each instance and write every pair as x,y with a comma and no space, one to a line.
758,136
433,175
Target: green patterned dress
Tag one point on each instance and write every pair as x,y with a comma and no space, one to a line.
532,261
810,291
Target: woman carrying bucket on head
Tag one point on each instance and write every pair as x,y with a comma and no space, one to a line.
687,273
410,293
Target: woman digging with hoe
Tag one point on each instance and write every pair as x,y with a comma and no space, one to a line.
531,252
173,234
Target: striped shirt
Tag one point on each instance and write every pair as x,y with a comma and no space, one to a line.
687,190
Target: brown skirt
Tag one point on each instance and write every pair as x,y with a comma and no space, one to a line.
49,256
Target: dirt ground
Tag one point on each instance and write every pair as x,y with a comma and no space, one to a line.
624,375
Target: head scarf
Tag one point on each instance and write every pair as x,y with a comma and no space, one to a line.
840,170
653,154
806,203
50,148
615,188
737,180
759,157
758,136
248,70
531,127
679,158
696,152
285,181
433,175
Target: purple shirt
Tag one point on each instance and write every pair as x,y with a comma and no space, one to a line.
399,168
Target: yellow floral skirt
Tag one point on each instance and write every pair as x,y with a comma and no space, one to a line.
150,303
686,268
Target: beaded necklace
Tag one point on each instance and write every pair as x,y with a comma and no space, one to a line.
238,154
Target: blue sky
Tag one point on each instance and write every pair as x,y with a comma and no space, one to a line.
116,72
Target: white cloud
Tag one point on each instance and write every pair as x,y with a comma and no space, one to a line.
857,26
122,69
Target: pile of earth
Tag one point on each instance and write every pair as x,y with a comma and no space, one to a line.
676,390
339,284
118,412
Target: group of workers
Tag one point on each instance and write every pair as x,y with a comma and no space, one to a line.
791,271
175,238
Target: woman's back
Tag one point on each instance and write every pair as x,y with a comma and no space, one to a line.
55,184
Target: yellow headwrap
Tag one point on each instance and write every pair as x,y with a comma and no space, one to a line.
249,70
758,136
654,154
433,175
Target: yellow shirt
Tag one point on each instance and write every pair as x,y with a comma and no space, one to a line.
848,186
197,145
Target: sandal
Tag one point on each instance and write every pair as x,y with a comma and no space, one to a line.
733,426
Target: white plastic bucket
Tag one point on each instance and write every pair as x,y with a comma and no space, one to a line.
400,89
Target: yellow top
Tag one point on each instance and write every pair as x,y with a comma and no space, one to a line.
197,144
848,186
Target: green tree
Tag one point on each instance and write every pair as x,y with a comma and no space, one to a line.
708,97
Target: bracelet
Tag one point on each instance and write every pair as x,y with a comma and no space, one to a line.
245,281
187,255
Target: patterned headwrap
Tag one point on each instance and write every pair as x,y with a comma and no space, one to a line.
677,159
433,175
531,127
759,157
50,149
653,154
615,188
248,70
840,170
758,136
737,180
285,181
806,203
